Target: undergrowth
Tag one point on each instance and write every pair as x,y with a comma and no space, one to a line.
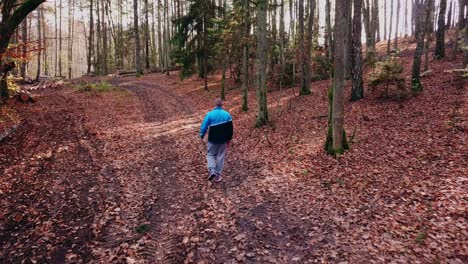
102,86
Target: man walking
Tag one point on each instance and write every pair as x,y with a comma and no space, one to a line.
220,133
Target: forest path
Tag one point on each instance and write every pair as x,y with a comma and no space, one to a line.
160,164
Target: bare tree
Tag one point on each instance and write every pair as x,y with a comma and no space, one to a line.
137,38
262,115
357,90
440,40
419,31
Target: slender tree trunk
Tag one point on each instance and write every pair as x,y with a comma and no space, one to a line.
302,48
91,37
375,24
328,31
274,33
60,39
440,39
24,36
147,36
245,54
395,45
385,19
137,38
427,28
349,35
460,27
305,89
281,39
98,57
341,39
406,18
419,34
39,35
168,39
465,49
71,20
390,30
262,115
357,90
449,16
160,45
56,39
104,37
44,40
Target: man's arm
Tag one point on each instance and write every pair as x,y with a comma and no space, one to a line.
204,126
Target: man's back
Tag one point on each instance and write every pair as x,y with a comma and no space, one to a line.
219,122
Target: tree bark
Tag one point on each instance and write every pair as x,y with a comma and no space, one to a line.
440,39
39,53
24,36
137,38
305,89
390,30
419,34
395,45
147,36
328,32
245,54
91,37
262,115
449,16
339,76
357,90
428,31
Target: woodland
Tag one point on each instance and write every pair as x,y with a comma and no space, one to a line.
349,131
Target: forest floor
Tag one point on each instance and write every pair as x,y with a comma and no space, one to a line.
120,177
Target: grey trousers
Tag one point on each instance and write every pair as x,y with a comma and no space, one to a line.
215,157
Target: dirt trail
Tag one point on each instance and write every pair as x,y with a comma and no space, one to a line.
120,177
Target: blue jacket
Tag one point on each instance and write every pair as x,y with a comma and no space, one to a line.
219,122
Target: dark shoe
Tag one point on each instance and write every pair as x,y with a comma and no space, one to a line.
212,176
218,178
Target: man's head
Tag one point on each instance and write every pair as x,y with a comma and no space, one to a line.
218,102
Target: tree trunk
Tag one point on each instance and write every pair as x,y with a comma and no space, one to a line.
440,39
328,31
98,62
406,18
262,115
465,49
39,53
91,37
160,44
357,90
461,15
71,20
449,16
390,30
395,45
281,39
341,39
377,21
274,33
44,40
137,38
428,31
349,35
104,37
385,19
305,89
60,39
24,36
245,54
419,34
147,36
